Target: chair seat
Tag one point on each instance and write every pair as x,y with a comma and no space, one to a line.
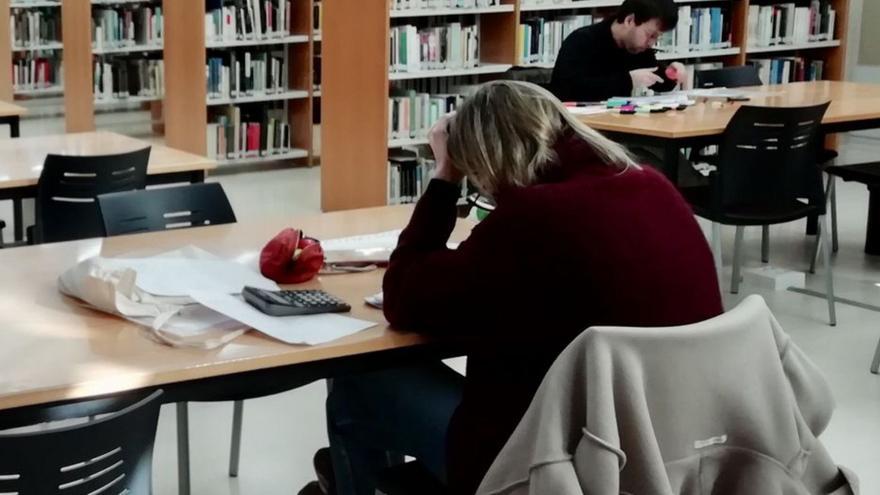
866,173
700,199
827,154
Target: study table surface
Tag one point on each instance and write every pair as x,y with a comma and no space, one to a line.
10,113
53,349
11,109
852,105
21,161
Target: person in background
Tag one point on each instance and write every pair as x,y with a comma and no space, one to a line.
615,56
581,236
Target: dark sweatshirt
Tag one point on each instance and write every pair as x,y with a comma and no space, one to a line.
591,67
587,246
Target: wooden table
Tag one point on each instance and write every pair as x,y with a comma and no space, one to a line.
21,161
10,114
854,106
53,350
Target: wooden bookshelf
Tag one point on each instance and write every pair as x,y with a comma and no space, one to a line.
7,51
356,79
6,92
79,102
187,105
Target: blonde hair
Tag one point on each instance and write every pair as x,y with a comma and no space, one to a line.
504,134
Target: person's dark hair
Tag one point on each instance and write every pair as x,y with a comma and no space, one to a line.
644,10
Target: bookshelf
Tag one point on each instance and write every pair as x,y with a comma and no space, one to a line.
192,112
44,52
357,81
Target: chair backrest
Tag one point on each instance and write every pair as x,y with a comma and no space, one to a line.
110,454
768,159
66,207
729,404
534,75
152,210
728,77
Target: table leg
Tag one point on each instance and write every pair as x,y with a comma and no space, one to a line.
14,130
17,220
872,238
671,157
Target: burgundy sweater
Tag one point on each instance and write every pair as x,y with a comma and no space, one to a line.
587,246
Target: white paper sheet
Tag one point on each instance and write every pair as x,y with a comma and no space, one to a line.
177,277
310,329
590,110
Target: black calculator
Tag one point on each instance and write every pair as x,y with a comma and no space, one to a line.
293,302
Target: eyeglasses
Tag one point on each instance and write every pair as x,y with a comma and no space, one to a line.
481,202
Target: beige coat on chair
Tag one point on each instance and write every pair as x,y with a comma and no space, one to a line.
729,406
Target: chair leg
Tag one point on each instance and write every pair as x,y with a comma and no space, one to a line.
235,449
765,244
183,448
817,249
832,198
716,245
875,364
737,255
824,234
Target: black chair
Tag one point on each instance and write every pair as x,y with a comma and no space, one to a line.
869,175
153,210
767,174
66,209
728,77
411,478
109,454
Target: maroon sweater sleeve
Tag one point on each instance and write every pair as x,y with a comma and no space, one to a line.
429,287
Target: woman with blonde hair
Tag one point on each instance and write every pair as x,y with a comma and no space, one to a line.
581,236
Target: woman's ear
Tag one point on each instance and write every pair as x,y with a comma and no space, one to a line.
630,21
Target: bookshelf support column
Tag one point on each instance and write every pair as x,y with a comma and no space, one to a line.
186,113
354,112
79,100
6,93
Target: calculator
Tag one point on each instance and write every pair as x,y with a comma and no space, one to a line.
293,302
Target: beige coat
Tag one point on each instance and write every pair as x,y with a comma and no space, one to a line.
729,406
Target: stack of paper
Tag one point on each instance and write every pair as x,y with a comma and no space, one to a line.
192,298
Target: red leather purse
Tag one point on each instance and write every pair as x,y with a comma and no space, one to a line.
291,257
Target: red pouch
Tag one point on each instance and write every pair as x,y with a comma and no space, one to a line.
291,258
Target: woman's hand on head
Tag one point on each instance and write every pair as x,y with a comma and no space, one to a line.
438,137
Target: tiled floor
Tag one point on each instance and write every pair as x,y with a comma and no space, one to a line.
282,432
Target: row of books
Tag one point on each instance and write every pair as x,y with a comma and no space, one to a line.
236,134
408,178
124,78
127,26
247,20
788,23
441,4
34,73
317,15
246,73
451,46
539,39
413,114
34,27
784,70
698,29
